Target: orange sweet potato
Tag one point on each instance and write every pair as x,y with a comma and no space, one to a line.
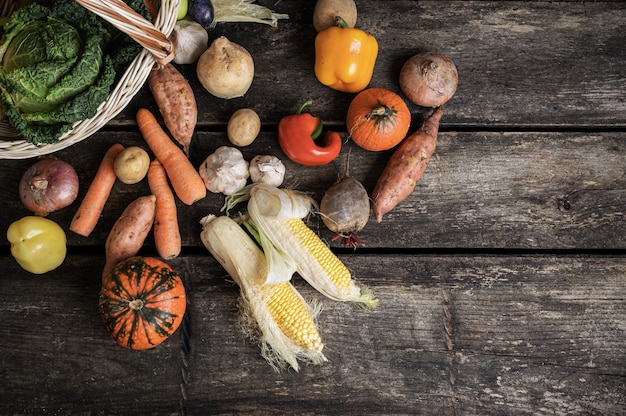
176,101
129,231
406,166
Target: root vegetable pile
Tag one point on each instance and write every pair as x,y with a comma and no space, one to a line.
377,120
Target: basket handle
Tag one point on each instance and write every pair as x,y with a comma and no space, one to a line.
123,17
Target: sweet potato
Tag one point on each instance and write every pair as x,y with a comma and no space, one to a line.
129,231
406,166
176,101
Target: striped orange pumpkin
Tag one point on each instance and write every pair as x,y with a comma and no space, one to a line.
142,302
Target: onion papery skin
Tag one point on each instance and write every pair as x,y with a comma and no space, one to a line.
48,185
429,79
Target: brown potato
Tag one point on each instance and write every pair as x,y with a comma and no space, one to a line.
326,10
243,127
131,165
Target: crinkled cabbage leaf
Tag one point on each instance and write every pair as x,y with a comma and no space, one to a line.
57,65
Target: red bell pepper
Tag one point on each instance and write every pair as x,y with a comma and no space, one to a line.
297,134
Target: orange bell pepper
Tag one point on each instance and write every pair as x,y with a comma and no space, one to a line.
345,58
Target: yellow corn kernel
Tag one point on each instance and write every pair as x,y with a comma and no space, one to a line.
293,316
330,264
318,265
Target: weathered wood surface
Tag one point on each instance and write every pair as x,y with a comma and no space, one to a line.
502,278
522,64
530,190
453,335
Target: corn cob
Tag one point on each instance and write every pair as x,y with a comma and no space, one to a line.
293,316
315,261
317,264
286,322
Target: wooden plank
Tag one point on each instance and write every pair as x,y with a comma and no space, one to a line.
452,335
488,190
530,160
56,356
521,64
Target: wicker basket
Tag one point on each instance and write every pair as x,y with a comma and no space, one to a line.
157,48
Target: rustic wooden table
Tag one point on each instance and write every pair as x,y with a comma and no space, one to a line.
501,279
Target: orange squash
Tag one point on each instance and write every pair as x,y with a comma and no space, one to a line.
142,302
378,119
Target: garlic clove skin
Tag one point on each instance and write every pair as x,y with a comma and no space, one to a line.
190,40
267,169
225,171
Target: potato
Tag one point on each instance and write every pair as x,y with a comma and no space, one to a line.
326,10
225,69
243,127
131,165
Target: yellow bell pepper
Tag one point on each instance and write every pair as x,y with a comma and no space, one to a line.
345,58
38,244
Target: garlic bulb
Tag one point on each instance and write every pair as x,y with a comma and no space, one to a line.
267,169
190,40
225,171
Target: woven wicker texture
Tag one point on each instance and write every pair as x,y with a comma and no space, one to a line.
152,36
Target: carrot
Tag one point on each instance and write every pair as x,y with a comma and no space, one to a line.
176,101
406,166
185,179
166,230
129,232
92,205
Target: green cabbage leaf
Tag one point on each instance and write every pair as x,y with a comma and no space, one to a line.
58,64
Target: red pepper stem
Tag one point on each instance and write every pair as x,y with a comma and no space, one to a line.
303,105
318,130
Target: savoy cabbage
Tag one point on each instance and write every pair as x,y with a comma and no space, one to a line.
57,65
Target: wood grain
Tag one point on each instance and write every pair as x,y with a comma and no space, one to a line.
488,190
501,278
524,64
452,335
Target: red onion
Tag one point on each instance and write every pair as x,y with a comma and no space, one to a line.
48,185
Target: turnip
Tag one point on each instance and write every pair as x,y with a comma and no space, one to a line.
326,12
345,209
225,69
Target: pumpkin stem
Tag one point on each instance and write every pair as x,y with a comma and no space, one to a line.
135,304
382,111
